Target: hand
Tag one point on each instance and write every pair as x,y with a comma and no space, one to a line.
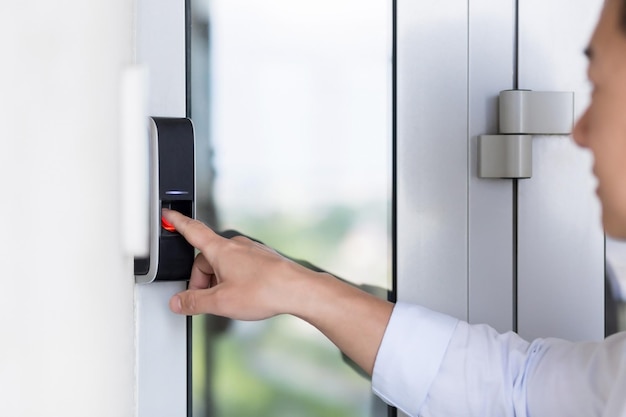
244,280
236,278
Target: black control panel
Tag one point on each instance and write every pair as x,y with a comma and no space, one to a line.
173,187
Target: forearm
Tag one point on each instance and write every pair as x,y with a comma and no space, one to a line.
352,319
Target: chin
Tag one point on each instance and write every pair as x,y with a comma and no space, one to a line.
614,226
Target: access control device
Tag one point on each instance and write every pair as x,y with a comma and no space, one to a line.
172,185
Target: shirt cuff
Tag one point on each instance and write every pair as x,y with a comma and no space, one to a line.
410,355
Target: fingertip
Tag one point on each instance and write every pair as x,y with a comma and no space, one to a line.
167,213
176,304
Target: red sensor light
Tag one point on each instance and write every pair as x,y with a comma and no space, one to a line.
167,225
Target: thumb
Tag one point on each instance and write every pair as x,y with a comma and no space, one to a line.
176,304
188,302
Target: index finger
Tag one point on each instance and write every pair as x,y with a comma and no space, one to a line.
195,232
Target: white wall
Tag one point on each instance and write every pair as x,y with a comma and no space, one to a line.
66,290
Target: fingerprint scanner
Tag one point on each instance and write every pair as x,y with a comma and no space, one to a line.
167,225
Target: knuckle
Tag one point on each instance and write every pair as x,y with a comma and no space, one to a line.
193,225
230,246
241,239
196,232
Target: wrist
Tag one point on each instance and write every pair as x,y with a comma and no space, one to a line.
318,297
352,319
304,290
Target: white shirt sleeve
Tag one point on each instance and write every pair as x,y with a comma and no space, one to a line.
430,364
405,366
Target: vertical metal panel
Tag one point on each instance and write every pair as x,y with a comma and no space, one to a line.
161,335
161,352
432,149
444,210
491,69
161,45
561,245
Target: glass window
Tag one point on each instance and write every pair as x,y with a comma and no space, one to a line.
291,101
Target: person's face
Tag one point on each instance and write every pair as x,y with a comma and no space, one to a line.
602,128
